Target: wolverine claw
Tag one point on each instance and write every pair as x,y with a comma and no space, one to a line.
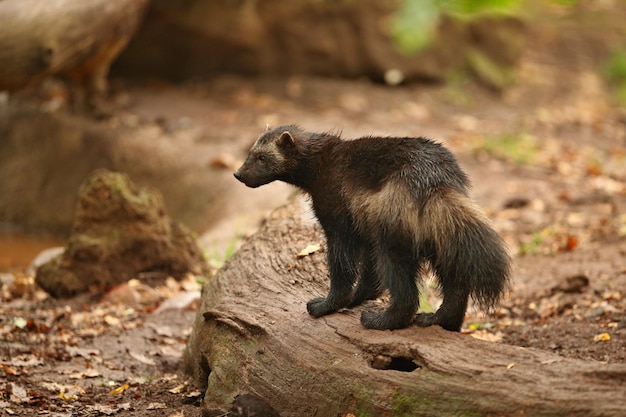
383,321
319,307
425,319
432,319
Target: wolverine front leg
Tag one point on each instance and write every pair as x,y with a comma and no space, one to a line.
342,266
369,286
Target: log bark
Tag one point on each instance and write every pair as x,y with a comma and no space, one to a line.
253,337
79,39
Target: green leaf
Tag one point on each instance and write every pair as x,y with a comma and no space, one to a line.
413,25
470,7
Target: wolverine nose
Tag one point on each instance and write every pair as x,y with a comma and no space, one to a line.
237,175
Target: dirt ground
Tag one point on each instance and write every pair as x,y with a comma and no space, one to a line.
548,162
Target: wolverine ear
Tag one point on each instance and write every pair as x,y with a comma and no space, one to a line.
285,139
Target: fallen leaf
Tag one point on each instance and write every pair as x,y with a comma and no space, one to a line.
168,377
67,397
83,352
178,302
487,336
8,370
26,360
17,393
511,365
570,244
178,389
602,337
142,358
308,250
138,380
67,390
110,410
156,406
112,321
119,389
612,295
89,373
162,330
170,351
19,322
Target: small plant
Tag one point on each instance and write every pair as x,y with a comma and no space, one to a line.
456,91
217,257
614,72
532,246
520,148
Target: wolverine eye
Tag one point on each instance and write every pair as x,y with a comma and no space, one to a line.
261,158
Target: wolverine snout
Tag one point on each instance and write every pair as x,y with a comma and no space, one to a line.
249,182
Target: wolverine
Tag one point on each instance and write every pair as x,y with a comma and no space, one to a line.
390,207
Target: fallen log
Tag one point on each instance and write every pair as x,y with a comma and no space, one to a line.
79,39
252,339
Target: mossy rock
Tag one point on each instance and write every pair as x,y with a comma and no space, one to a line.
120,230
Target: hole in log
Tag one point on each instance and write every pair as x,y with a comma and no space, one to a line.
394,363
205,371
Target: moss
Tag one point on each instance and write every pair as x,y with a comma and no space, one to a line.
363,406
411,405
407,406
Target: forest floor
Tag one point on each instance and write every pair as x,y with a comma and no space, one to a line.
547,158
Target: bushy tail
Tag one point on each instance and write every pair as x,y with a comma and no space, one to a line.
470,256
482,260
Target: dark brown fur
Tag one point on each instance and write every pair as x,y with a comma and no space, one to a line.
389,207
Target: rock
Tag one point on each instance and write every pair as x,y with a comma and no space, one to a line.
120,230
44,256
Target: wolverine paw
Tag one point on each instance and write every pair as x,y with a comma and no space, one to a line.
319,307
383,321
426,319
431,319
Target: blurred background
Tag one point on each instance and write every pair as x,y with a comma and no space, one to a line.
530,95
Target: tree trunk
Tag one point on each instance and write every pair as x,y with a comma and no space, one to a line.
252,336
79,39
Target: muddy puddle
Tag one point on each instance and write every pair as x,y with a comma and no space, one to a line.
17,251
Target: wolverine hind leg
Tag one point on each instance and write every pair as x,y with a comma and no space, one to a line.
397,269
451,313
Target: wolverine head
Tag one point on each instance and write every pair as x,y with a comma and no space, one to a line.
270,158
